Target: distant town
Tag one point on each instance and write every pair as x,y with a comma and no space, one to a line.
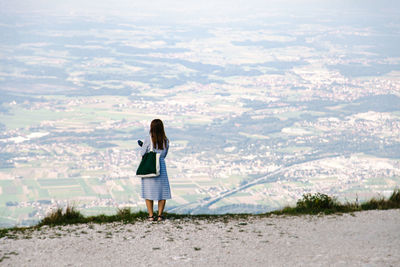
256,117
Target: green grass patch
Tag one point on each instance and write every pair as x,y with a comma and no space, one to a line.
58,182
21,117
376,181
88,191
43,193
193,198
9,198
66,193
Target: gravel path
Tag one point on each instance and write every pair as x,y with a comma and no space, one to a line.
369,238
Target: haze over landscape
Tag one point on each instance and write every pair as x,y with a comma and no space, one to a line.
262,101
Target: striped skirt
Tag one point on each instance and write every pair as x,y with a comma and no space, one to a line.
157,188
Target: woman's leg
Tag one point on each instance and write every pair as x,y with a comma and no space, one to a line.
161,205
149,205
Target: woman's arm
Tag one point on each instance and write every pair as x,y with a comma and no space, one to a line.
145,147
166,147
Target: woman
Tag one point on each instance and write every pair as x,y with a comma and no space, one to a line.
156,188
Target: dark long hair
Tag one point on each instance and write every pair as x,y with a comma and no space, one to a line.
157,134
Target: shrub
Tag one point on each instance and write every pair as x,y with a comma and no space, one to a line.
317,203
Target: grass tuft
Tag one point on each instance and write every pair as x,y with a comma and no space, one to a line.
395,197
58,217
125,215
382,204
375,204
